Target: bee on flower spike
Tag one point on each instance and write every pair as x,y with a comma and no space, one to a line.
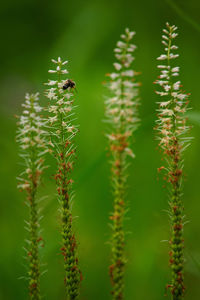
69,84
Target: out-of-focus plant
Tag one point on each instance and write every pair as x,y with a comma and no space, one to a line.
62,130
31,139
172,131
122,117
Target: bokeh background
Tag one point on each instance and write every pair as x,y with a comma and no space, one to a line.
85,32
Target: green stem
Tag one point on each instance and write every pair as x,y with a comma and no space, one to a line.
118,238
72,272
176,245
117,267
33,254
34,266
176,206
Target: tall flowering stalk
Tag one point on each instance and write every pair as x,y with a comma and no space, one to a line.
30,136
62,131
172,129
122,116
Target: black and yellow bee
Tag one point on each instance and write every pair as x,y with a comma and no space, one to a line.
69,84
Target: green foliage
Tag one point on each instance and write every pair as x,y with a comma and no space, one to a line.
85,32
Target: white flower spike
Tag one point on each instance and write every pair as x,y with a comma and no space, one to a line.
121,110
176,103
172,130
31,138
62,130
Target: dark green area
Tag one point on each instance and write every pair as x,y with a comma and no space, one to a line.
85,33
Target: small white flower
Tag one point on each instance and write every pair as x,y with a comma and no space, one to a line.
175,69
129,33
52,119
166,31
117,50
165,132
173,47
64,71
26,112
121,44
111,137
114,75
166,87
129,60
165,37
115,85
112,100
38,109
51,95
163,76
131,48
24,186
130,152
162,82
119,56
113,111
60,85
25,140
175,74
24,146
53,108
165,140
162,57
60,102
176,85
164,43
168,112
164,104
67,109
32,115
161,66
172,56
117,66
128,73
181,96
68,96
174,35
64,62
51,82
165,71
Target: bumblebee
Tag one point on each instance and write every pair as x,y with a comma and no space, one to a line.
69,84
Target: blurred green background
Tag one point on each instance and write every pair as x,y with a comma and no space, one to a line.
85,32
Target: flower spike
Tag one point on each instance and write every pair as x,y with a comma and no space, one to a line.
31,139
62,130
121,110
172,131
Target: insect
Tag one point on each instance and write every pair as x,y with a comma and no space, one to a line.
69,84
